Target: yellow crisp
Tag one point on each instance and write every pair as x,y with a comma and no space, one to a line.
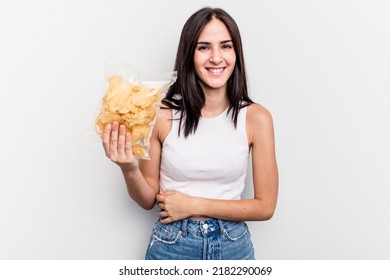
140,133
139,151
133,105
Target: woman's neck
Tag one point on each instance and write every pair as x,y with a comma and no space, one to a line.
216,102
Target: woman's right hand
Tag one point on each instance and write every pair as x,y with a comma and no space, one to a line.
118,148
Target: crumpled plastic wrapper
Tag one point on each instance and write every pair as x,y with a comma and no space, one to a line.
133,99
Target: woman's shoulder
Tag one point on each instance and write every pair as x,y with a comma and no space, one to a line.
258,122
163,122
164,112
258,114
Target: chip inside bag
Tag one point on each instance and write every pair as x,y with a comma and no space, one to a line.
132,99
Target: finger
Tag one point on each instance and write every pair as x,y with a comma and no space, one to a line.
121,140
114,138
106,139
128,145
167,220
163,214
160,198
160,205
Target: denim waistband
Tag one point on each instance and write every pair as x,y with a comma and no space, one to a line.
201,227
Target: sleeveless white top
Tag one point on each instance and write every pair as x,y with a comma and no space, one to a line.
211,163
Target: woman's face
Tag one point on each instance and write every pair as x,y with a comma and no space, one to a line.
214,56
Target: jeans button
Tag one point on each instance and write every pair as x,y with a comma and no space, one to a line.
205,226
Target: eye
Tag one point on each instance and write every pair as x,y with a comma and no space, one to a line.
227,46
202,47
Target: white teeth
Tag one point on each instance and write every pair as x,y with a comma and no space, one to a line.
215,70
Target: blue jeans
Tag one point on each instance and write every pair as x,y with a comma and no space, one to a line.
211,239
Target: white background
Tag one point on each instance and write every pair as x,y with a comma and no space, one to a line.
321,67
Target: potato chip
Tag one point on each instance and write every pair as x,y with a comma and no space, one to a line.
105,118
143,116
140,133
133,105
144,98
139,151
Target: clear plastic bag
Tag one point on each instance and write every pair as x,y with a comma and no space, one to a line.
132,99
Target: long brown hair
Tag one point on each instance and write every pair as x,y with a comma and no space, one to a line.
186,95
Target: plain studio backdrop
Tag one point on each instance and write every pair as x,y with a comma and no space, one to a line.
321,67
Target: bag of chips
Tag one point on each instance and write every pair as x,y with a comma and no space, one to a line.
132,99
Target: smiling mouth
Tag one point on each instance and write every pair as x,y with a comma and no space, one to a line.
215,71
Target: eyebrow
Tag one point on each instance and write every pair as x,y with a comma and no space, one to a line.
208,43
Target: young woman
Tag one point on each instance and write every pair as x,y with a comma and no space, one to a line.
199,150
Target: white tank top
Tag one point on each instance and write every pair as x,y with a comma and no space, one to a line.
211,163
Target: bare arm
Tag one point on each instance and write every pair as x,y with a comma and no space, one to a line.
265,180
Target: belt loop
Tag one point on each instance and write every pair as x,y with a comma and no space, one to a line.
184,227
221,228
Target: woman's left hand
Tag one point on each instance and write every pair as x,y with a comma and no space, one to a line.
174,206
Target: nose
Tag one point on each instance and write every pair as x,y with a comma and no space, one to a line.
216,57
